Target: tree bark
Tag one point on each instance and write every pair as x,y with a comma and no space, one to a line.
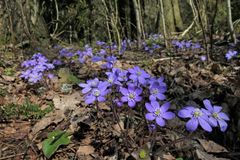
230,23
138,22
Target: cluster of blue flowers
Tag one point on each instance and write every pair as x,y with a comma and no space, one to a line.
36,68
130,87
152,43
208,117
185,45
230,54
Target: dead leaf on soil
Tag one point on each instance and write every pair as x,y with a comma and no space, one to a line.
84,152
168,157
210,146
67,102
53,117
8,78
201,155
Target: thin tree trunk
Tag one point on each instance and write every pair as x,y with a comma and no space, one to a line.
137,13
230,23
164,25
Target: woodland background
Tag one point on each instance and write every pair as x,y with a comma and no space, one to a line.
39,22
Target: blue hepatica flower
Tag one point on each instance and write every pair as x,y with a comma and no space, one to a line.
97,94
87,87
216,117
158,113
138,75
35,68
230,54
123,76
156,92
35,77
197,117
131,95
113,77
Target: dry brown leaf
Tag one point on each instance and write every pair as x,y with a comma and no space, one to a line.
67,102
84,152
117,130
210,146
8,78
168,157
205,156
53,117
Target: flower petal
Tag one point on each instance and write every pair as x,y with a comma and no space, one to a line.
138,98
205,125
124,99
150,116
138,91
223,125
208,105
217,109
131,103
155,104
101,99
149,107
165,107
186,112
223,116
212,121
168,115
90,99
161,96
160,121
124,91
152,98
86,90
192,124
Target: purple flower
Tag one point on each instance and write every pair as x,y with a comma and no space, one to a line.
197,117
196,46
35,77
131,95
97,94
50,76
97,58
122,76
203,58
230,54
100,43
89,85
56,62
216,117
188,44
138,75
156,92
152,127
112,77
118,102
158,113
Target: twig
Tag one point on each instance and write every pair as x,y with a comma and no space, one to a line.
57,17
11,156
166,58
189,27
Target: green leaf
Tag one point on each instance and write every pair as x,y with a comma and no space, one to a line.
54,140
179,159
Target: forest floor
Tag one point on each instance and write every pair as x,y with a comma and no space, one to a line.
28,113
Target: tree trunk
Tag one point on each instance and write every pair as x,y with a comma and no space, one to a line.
233,36
138,22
